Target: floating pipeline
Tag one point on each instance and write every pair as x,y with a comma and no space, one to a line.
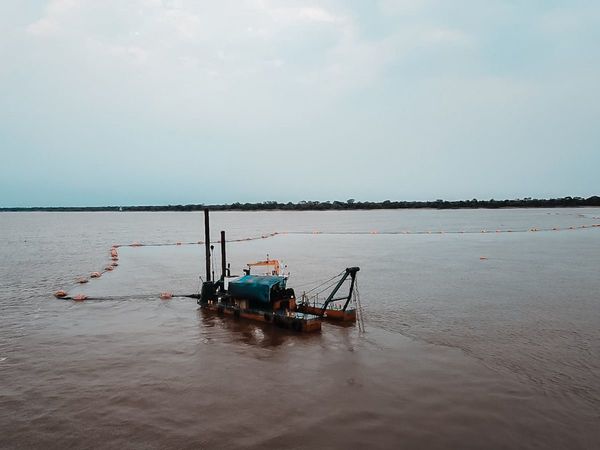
429,232
84,297
114,252
114,255
372,232
180,243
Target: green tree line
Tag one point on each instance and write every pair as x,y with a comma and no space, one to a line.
350,204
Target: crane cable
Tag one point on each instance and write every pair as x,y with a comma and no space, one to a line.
325,282
359,311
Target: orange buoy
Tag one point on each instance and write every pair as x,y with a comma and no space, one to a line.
95,275
109,268
114,264
136,244
60,294
178,243
115,258
80,297
166,295
483,258
82,280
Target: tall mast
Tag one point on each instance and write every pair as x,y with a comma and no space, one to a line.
207,242
223,257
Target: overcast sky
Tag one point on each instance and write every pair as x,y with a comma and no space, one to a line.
165,102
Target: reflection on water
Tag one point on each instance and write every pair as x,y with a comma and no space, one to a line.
243,331
458,352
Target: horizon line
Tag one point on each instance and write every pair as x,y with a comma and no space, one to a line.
565,201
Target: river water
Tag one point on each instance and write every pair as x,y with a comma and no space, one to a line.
473,340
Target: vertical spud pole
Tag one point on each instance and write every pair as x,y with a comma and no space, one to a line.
223,256
207,243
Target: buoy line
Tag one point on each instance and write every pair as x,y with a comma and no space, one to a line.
114,254
178,243
162,296
492,231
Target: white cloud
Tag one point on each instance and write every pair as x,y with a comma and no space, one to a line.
130,52
566,20
285,14
56,12
43,27
250,50
446,36
240,39
402,7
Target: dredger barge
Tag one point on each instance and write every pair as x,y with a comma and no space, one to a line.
266,298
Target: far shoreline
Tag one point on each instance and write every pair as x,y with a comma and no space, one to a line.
349,205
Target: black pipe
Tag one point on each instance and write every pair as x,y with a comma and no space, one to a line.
223,256
207,243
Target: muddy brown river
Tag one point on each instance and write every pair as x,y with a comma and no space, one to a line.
473,339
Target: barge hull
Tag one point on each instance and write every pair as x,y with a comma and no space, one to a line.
336,315
297,321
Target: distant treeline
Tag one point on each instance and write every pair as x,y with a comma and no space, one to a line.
338,205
